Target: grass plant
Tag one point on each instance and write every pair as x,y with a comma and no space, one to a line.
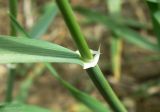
23,46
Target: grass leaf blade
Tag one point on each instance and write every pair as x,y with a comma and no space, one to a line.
18,26
23,50
122,31
43,23
16,107
154,8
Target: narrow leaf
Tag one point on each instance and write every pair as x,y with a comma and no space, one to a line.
157,16
154,8
43,23
21,108
41,26
18,26
154,1
121,30
23,50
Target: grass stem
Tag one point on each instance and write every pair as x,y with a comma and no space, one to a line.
74,28
11,75
10,85
105,89
13,11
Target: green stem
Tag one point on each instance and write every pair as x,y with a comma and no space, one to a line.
105,89
13,12
11,75
74,28
10,85
95,73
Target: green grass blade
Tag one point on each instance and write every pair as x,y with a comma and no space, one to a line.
153,1
43,23
154,8
18,26
93,104
128,22
23,50
121,20
157,16
41,26
133,23
16,107
122,31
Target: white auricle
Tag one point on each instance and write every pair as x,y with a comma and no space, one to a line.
93,62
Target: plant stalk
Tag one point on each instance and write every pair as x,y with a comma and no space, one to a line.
74,28
11,74
13,12
95,73
10,84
